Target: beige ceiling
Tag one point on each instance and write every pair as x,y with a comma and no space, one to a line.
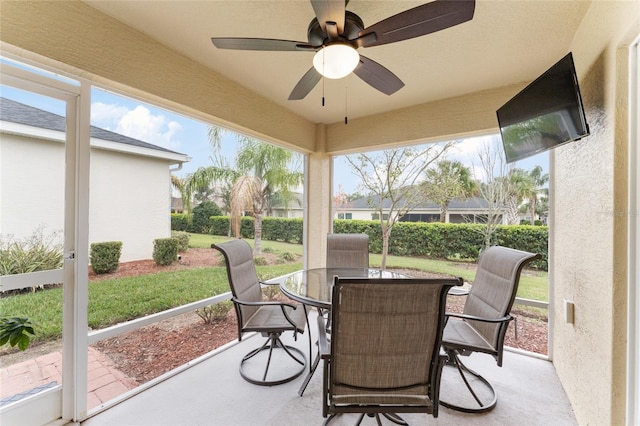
507,42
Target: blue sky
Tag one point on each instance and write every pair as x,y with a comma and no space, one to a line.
185,135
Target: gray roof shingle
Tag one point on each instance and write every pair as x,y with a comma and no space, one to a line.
16,112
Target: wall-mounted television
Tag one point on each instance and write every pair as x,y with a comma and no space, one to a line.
545,114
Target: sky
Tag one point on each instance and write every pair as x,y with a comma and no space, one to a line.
182,134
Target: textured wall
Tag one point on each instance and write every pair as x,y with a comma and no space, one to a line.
130,202
588,237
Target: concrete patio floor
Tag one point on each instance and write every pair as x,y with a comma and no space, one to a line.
213,393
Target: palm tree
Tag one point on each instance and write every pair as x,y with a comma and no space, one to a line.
260,171
520,186
539,180
446,181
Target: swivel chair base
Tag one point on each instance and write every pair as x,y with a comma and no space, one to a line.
454,360
273,342
389,416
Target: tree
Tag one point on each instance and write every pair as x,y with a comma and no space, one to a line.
260,171
390,178
446,181
539,180
492,188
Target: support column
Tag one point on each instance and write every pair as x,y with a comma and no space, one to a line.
318,193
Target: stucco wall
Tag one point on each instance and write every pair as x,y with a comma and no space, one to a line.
31,186
588,237
129,201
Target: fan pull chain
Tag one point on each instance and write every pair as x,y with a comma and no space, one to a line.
323,77
346,87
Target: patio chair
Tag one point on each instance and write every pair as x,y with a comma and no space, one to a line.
483,323
271,319
347,251
385,355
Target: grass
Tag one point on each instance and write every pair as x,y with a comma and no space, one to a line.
117,300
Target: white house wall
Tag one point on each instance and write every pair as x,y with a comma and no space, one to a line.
32,186
129,201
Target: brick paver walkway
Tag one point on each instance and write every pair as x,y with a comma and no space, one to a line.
23,379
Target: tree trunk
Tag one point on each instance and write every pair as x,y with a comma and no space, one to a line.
513,218
385,247
532,209
257,235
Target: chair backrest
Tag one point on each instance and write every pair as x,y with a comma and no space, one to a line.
494,289
385,340
347,251
243,279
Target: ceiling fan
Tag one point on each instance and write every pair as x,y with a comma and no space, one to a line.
335,34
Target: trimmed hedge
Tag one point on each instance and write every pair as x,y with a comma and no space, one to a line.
165,251
179,221
183,240
105,257
434,239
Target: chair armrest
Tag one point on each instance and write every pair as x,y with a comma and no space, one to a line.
481,319
323,346
456,291
241,302
282,305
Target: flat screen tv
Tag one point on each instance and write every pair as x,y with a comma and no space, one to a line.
545,114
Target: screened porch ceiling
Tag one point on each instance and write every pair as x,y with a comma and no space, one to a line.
506,43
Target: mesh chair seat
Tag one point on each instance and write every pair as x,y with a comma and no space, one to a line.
461,334
271,319
484,321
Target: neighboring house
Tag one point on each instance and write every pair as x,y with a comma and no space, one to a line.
130,189
472,210
293,209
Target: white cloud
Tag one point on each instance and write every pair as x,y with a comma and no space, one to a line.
107,116
139,123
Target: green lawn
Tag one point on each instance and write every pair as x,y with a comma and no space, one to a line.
117,300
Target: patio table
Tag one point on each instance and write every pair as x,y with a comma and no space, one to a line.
312,287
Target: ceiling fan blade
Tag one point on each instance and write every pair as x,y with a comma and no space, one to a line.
239,43
425,19
329,11
377,76
305,85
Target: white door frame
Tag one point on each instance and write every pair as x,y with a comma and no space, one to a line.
633,325
68,402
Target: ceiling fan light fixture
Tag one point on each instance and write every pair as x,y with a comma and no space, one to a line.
336,60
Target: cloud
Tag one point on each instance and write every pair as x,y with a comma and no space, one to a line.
139,123
107,116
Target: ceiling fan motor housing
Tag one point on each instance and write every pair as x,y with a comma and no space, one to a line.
317,37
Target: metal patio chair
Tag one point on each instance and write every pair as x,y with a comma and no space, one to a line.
385,355
254,314
347,251
484,321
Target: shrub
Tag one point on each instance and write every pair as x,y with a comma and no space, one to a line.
271,292
288,256
211,313
165,251
260,261
179,222
183,240
201,222
105,257
15,331
39,252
